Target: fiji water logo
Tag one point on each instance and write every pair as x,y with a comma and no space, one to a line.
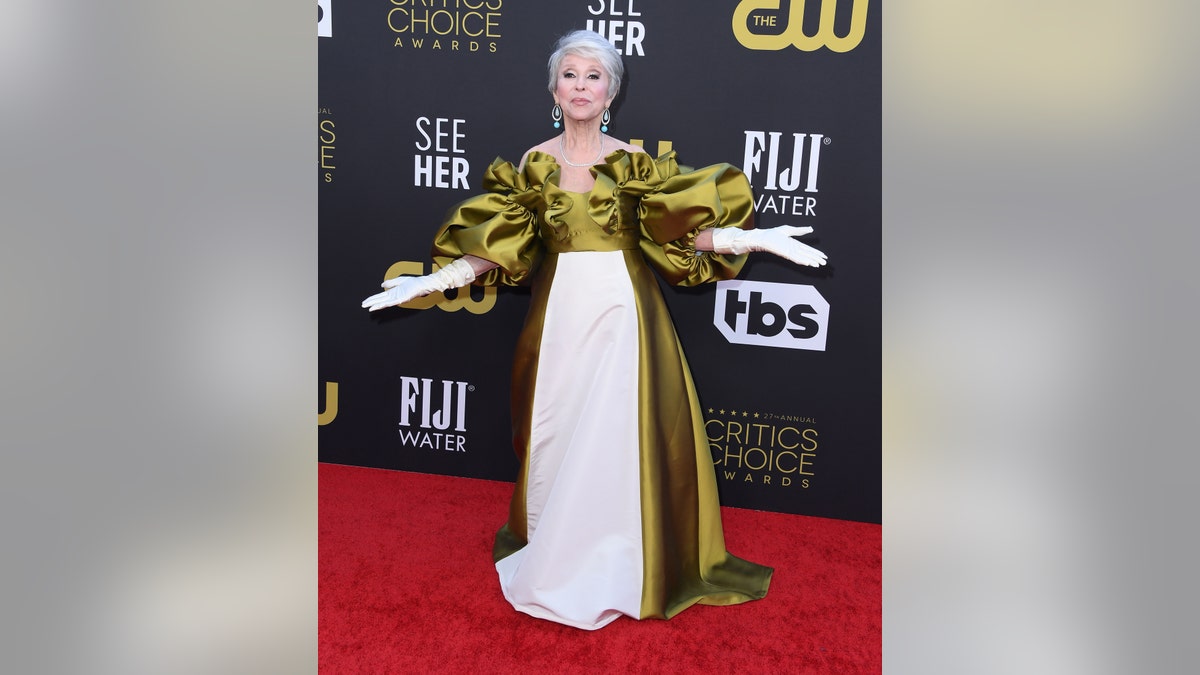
433,417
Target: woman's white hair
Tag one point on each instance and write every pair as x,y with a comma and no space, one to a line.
591,45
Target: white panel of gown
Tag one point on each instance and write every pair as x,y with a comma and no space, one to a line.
583,563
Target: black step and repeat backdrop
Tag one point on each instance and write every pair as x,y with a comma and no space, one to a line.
416,98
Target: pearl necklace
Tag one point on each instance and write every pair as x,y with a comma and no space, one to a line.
563,151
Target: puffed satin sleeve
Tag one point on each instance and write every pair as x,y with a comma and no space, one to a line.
500,225
675,203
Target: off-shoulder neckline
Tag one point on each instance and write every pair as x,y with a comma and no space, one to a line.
611,158
540,168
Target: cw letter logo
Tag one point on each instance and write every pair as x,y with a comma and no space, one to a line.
663,146
793,33
331,400
461,300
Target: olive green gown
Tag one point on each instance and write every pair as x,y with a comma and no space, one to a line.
615,510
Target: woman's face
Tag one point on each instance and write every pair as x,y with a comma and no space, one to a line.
582,88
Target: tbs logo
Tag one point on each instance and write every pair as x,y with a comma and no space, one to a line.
771,315
324,18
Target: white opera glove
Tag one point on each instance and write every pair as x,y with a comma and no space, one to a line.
402,289
777,240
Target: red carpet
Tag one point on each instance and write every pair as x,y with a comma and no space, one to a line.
407,586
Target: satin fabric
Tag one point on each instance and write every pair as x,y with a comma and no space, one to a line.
615,511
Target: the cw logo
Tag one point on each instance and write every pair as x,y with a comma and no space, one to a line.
331,401
663,146
793,33
462,300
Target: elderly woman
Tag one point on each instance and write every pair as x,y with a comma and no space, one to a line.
615,509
